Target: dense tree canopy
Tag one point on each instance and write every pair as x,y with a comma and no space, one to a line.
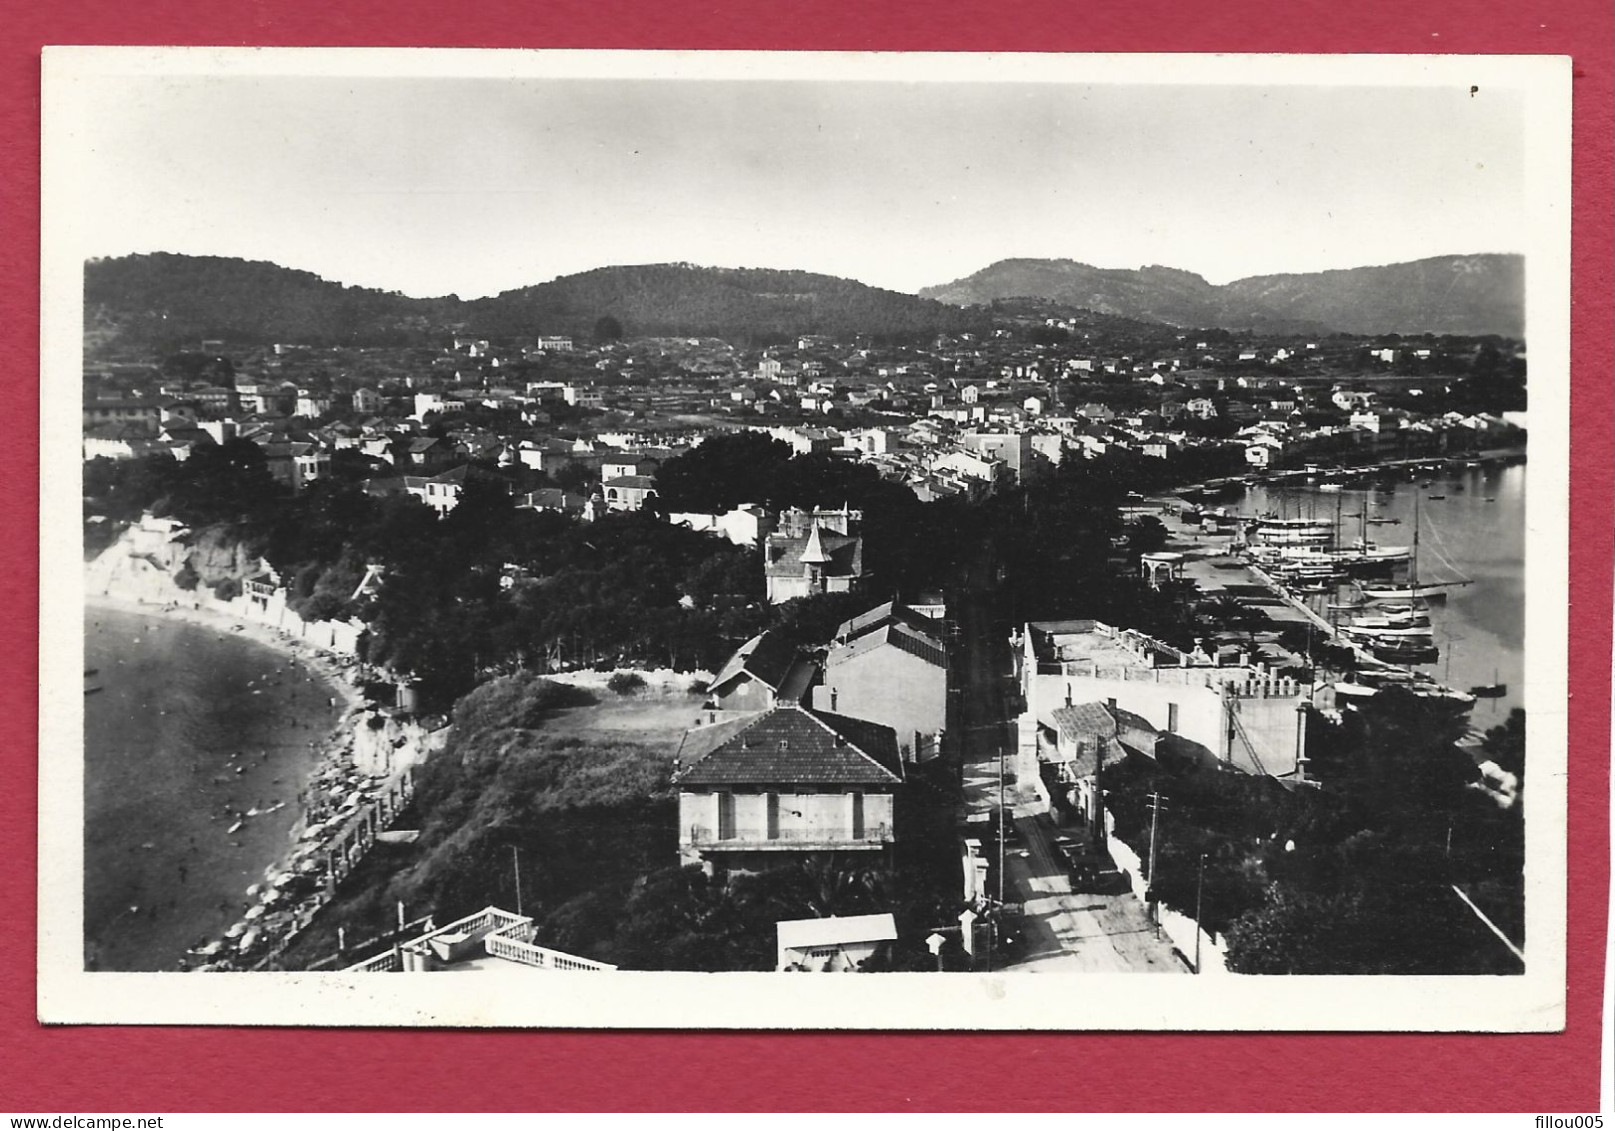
1355,877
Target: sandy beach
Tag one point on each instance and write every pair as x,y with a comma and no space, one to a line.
337,671
199,747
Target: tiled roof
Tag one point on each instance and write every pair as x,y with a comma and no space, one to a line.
796,746
632,482
882,614
784,555
766,657
893,635
1086,727
551,498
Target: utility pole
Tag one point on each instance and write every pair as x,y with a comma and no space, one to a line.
1199,892
1001,818
516,862
1155,820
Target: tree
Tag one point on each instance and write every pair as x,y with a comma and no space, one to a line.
1293,932
227,482
607,329
1145,535
576,477
1400,763
1505,743
722,472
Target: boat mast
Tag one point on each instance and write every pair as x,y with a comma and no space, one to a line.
1413,559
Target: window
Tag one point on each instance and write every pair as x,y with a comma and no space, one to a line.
773,816
857,816
726,816
1172,718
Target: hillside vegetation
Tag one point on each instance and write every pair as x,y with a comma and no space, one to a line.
162,301
1449,294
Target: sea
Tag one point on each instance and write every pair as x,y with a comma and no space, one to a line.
197,742
1471,523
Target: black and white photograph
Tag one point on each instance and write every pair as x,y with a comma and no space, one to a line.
1053,534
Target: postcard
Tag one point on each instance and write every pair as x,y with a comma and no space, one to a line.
1049,537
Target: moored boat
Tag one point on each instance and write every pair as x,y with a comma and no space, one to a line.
1404,592
1404,651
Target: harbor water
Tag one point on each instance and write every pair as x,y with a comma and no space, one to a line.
197,743
1471,525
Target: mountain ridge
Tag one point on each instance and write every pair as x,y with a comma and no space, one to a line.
162,298
1474,294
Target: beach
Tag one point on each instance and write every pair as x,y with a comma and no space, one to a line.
201,738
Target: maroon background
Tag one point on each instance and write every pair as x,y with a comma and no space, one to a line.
175,1069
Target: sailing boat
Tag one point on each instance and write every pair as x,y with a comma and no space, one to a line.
1411,589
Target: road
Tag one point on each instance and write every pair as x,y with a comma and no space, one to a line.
1062,931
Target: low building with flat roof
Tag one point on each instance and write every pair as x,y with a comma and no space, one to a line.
837,944
490,941
1241,715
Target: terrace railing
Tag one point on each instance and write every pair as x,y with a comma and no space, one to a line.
514,950
871,836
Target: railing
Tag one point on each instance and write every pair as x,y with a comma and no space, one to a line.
384,963
484,922
751,837
499,946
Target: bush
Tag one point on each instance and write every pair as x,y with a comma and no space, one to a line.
626,683
518,701
186,577
228,589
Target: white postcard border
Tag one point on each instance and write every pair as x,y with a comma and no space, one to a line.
1532,1002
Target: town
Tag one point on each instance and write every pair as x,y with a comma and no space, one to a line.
838,652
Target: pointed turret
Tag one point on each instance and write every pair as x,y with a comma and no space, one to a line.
813,553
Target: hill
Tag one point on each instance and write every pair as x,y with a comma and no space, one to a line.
754,306
163,300
1450,294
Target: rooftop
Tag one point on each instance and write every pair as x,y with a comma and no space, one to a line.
798,933
784,555
769,658
885,613
490,941
791,745
895,635
1078,641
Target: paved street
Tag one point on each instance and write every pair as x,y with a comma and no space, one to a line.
1062,931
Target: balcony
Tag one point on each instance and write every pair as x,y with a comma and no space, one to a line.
788,840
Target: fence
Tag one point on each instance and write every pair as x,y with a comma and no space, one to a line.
343,851
1180,928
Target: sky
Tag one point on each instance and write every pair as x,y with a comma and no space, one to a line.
431,186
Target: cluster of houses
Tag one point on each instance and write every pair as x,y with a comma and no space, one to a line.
568,429
798,754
